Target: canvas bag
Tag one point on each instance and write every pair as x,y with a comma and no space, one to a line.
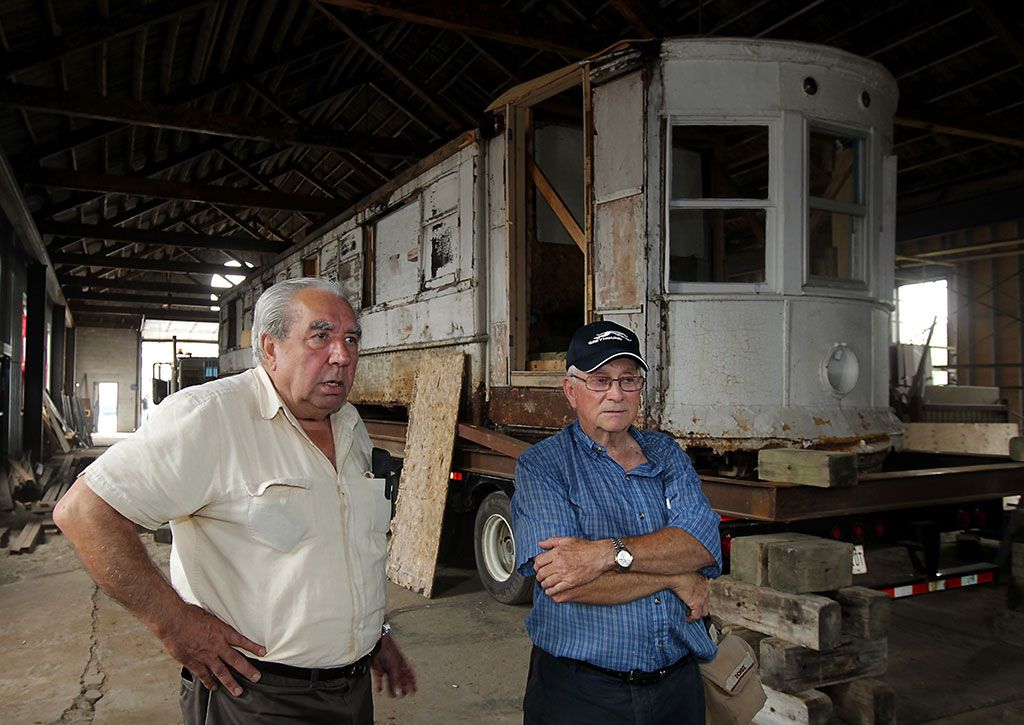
732,688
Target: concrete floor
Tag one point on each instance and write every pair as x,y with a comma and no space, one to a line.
71,655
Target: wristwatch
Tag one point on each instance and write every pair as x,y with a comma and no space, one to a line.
385,629
623,557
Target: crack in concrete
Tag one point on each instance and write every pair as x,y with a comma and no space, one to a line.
82,710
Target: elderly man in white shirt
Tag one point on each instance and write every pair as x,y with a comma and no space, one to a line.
276,598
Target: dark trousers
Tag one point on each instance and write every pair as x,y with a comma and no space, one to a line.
564,692
276,699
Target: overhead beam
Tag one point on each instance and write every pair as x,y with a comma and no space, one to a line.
142,263
181,118
641,16
174,300
420,89
1001,29
486,20
155,236
153,313
124,21
163,189
991,130
94,283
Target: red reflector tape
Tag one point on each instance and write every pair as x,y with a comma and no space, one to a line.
955,582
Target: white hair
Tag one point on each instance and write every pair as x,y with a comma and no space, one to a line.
273,313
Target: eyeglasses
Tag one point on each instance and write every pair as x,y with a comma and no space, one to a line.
602,383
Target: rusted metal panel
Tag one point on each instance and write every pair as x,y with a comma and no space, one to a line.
767,501
619,258
529,407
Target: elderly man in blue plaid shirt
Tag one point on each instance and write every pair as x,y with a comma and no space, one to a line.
613,522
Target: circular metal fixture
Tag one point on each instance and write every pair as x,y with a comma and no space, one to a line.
810,86
841,369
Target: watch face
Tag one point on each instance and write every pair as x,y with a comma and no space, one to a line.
623,558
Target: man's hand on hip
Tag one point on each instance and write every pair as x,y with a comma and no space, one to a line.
569,562
389,663
695,592
203,643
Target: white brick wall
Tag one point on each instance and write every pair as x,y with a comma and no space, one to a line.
109,355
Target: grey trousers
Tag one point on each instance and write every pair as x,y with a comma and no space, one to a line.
276,699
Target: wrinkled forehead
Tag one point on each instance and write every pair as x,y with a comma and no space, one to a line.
619,366
321,309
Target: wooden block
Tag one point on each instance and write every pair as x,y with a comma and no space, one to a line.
162,535
1017,561
825,469
748,561
1017,448
799,567
791,668
985,438
810,707
30,535
423,487
5,535
1009,626
807,619
864,702
865,612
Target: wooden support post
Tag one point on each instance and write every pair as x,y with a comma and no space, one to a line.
865,612
864,702
423,488
789,667
809,707
807,619
825,469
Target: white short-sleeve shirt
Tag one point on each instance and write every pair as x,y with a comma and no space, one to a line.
268,536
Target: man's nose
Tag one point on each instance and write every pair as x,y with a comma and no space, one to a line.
339,353
615,391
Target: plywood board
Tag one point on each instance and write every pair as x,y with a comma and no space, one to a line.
984,438
423,489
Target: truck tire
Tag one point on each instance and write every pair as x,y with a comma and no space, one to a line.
495,548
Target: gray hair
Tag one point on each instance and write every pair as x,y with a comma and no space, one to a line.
273,313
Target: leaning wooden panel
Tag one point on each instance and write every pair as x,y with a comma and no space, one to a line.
808,619
430,438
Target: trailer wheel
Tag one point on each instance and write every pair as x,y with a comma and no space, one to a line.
495,549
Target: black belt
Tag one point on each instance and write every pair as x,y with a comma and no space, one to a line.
635,677
326,674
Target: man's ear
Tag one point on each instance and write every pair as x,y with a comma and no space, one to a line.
269,346
570,391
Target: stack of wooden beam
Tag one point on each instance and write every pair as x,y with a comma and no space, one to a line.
821,642
1009,622
54,481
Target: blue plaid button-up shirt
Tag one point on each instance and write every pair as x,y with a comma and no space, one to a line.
567,485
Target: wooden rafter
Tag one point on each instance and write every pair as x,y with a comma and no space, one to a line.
154,115
988,130
158,237
127,19
156,313
162,299
484,20
142,263
121,283
160,188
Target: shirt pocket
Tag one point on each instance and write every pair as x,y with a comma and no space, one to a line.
380,507
281,512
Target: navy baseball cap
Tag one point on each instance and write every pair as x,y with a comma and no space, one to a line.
595,344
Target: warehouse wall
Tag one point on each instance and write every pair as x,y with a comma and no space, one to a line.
986,302
109,355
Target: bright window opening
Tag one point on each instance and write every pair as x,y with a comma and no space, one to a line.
918,306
